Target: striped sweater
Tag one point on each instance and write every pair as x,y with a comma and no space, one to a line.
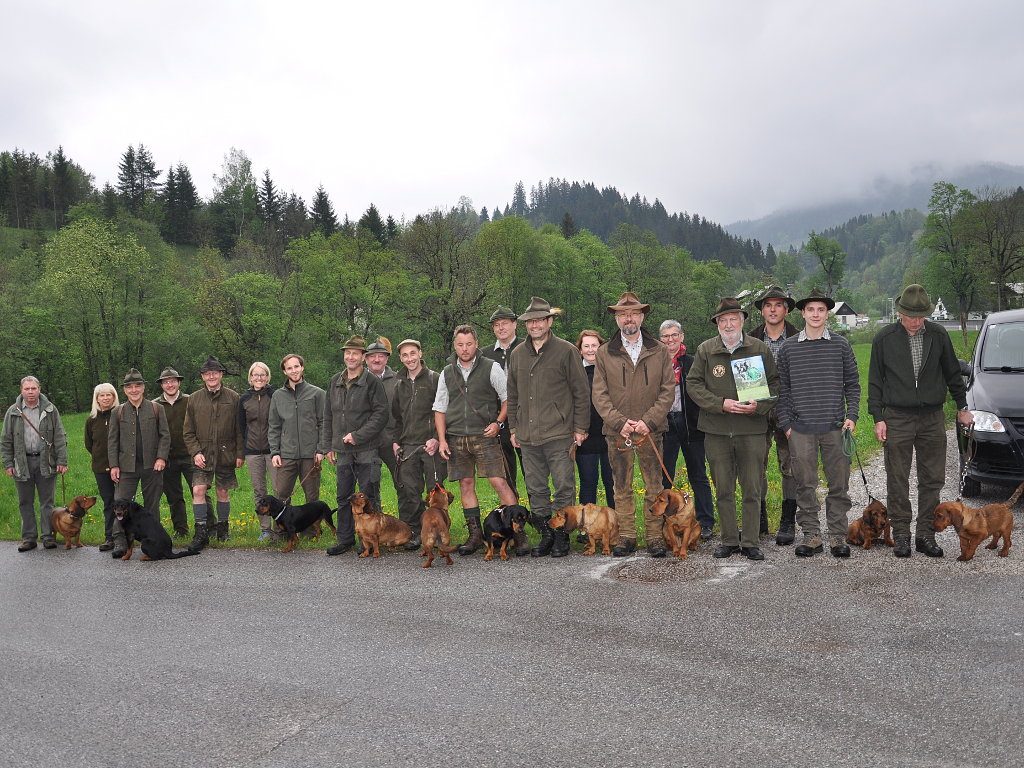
819,386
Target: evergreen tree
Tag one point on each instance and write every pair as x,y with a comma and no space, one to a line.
496,216
147,174
568,226
109,207
347,227
484,216
372,222
270,203
127,180
519,206
322,213
60,187
390,230
294,220
169,201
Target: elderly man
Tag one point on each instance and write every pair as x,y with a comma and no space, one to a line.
296,431
774,305
819,396
734,424
34,450
179,463
415,446
912,368
683,433
377,354
355,416
214,441
548,418
469,411
633,390
503,325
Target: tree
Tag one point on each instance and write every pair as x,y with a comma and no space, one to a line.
391,231
234,198
996,227
519,205
295,221
372,222
322,213
137,178
945,236
568,226
497,213
786,269
269,204
831,258
484,216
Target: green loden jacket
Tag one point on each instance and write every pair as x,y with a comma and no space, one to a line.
710,383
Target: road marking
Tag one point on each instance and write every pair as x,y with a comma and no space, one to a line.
600,571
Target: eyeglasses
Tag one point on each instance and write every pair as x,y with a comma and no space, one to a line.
671,336
260,376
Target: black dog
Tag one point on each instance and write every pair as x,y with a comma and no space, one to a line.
143,527
293,520
500,527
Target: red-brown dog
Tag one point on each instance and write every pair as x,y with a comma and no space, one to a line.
681,529
871,527
67,521
598,522
973,526
436,525
375,528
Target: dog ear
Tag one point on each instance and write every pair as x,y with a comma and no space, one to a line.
450,495
672,506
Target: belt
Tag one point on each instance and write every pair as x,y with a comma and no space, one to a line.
33,454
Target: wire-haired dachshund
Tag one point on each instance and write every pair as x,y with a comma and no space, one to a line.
142,526
67,521
293,519
500,528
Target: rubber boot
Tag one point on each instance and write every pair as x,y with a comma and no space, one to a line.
560,547
547,536
787,525
522,543
476,535
764,518
202,538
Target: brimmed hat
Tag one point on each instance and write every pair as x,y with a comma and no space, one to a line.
355,342
133,377
539,309
775,292
727,305
170,373
212,364
414,342
914,302
377,346
816,294
627,301
502,313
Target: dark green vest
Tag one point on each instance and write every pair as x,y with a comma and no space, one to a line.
472,402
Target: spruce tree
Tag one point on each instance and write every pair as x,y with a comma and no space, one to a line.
372,222
270,203
484,216
519,206
294,221
390,230
568,226
109,202
497,213
322,213
128,180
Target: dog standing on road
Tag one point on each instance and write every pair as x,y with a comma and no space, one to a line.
501,526
436,525
598,522
973,525
67,521
292,520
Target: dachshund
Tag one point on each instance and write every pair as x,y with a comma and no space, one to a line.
293,520
598,522
376,528
681,529
973,526
144,527
871,527
436,525
67,521
500,527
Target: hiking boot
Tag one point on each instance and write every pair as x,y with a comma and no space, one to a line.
839,547
200,540
560,547
787,524
922,545
522,543
547,537
901,547
51,543
812,546
26,545
414,543
624,548
476,536
222,530
656,548
340,549
107,545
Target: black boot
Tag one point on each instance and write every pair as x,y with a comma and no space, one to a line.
560,546
222,530
787,525
522,543
547,536
202,538
476,535
764,518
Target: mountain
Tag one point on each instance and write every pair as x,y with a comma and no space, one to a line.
791,226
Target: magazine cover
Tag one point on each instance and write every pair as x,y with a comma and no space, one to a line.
750,378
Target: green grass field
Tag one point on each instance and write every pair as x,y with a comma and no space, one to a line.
245,527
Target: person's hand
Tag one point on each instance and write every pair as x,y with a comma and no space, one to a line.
10,471
966,418
62,468
430,447
442,448
737,406
395,448
158,465
115,474
239,463
318,459
641,427
789,432
514,440
579,437
275,461
332,456
199,460
628,429
348,439
492,429
849,425
881,431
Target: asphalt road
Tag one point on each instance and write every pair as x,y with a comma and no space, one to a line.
258,658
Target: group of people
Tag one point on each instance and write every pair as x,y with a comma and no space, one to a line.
598,408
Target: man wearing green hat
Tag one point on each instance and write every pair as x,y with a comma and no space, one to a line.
913,367
179,463
503,324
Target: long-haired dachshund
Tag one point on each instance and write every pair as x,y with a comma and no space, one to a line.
144,527
436,525
871,528
376,528
67,521
973,526
681,529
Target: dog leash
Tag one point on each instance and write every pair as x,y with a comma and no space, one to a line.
972,448
634,445
850,449
305,477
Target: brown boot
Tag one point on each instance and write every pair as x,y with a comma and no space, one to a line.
476,535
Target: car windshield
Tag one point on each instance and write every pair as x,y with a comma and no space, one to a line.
1004,347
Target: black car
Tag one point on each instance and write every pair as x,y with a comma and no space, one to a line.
995,395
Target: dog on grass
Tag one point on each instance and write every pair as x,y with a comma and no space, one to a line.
67,521
291,520
500,528
973,525
871,528
681,529
143,527
598,523
436,525
375,528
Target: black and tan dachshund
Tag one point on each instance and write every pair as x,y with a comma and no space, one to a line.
145,528
291,520
500,527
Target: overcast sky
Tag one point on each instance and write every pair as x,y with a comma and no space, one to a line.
728,109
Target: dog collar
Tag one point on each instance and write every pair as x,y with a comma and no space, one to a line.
279,514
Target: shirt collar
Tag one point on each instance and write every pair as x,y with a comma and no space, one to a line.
802,336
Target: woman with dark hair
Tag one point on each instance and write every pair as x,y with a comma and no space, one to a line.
592,455
104,400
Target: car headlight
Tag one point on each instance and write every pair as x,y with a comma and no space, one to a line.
987,422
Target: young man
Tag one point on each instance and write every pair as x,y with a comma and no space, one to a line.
633,390
138,443
214,441
468,420
733,425
503,325
819,396
548,418
774,305
355,416
34,450
377,354
179,463
296,430
912,368
415,446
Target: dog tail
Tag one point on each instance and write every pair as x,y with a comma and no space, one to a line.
1016,495
182,553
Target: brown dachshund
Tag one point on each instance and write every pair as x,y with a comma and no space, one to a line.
436,525
67,521
376,528
871,527
598,522
681,530
973,526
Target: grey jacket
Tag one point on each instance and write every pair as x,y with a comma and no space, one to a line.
296,421
54,451
360,408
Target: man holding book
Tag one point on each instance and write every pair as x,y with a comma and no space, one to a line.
734,381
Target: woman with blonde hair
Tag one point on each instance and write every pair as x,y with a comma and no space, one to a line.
254,420
104,400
